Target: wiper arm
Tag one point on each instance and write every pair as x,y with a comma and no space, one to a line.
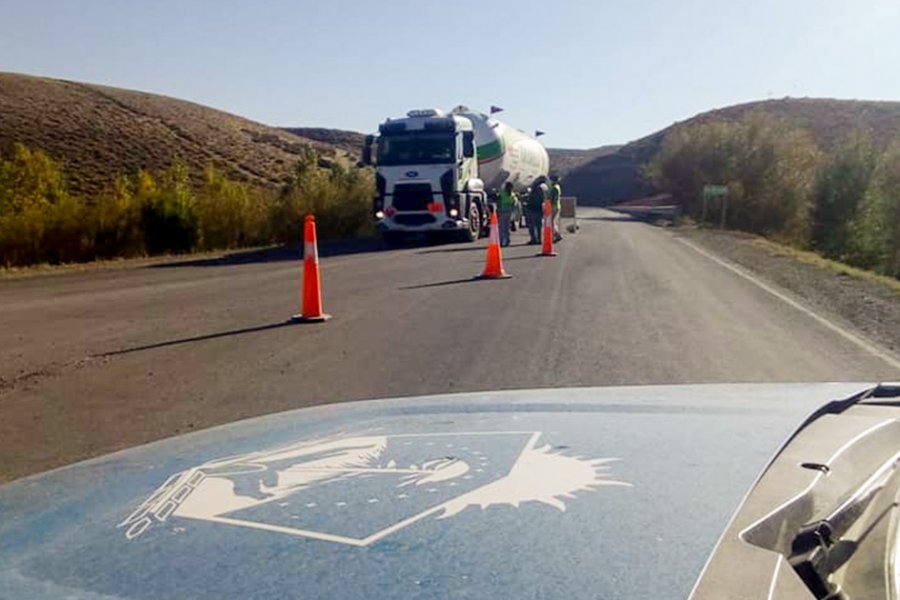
816,551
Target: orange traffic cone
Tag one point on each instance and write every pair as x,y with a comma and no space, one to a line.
312,285
547,235
493,268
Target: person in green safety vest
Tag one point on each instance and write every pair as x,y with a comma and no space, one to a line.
506,203
556,204
534,207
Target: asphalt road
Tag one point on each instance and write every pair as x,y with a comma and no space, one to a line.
105,359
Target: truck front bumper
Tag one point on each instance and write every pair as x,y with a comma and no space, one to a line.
444,225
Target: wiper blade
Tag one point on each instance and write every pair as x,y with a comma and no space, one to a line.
817,550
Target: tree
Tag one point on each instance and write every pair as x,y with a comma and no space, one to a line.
339,197
169,220
231,213
116,217
38,217
839,191
875,231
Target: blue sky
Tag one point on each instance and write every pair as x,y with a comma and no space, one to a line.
587,72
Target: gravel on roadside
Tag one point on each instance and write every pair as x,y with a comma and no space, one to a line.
843,295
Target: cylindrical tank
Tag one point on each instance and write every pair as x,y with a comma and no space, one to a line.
505,153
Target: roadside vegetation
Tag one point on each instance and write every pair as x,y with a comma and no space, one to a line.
843,204
167,211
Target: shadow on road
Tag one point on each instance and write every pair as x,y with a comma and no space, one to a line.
526,257
277,254
440,284
198,338
466,249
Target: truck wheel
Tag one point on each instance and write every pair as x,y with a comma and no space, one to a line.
474,230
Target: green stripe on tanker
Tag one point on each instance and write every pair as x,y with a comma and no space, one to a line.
490,151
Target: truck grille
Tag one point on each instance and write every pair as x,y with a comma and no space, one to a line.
412,196
416,219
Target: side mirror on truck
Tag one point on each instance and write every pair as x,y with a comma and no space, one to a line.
468,144
367,150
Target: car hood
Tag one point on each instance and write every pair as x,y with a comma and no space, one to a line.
571,493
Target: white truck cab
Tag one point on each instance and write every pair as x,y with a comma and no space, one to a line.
432,168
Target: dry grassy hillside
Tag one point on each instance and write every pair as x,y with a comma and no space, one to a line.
98,132
350,142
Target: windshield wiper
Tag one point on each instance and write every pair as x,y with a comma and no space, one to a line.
818,549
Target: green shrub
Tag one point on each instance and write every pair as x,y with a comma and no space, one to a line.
340,199
117,227
170,224
875,231
840,188
39,221
150,214
231,214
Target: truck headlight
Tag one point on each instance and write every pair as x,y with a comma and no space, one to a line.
454,213
379,214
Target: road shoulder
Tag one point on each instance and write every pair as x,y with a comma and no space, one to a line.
858,301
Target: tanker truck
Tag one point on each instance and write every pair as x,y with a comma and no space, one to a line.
436,171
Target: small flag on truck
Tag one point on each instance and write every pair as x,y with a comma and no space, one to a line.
538,133
495,109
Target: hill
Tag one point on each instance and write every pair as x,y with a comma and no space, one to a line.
615,177
565,160
350,142
99,132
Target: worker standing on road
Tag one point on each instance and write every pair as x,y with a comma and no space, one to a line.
556,205
506,202
534,208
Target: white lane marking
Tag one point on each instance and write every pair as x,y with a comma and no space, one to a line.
861,343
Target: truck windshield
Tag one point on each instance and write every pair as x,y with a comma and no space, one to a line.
416,149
